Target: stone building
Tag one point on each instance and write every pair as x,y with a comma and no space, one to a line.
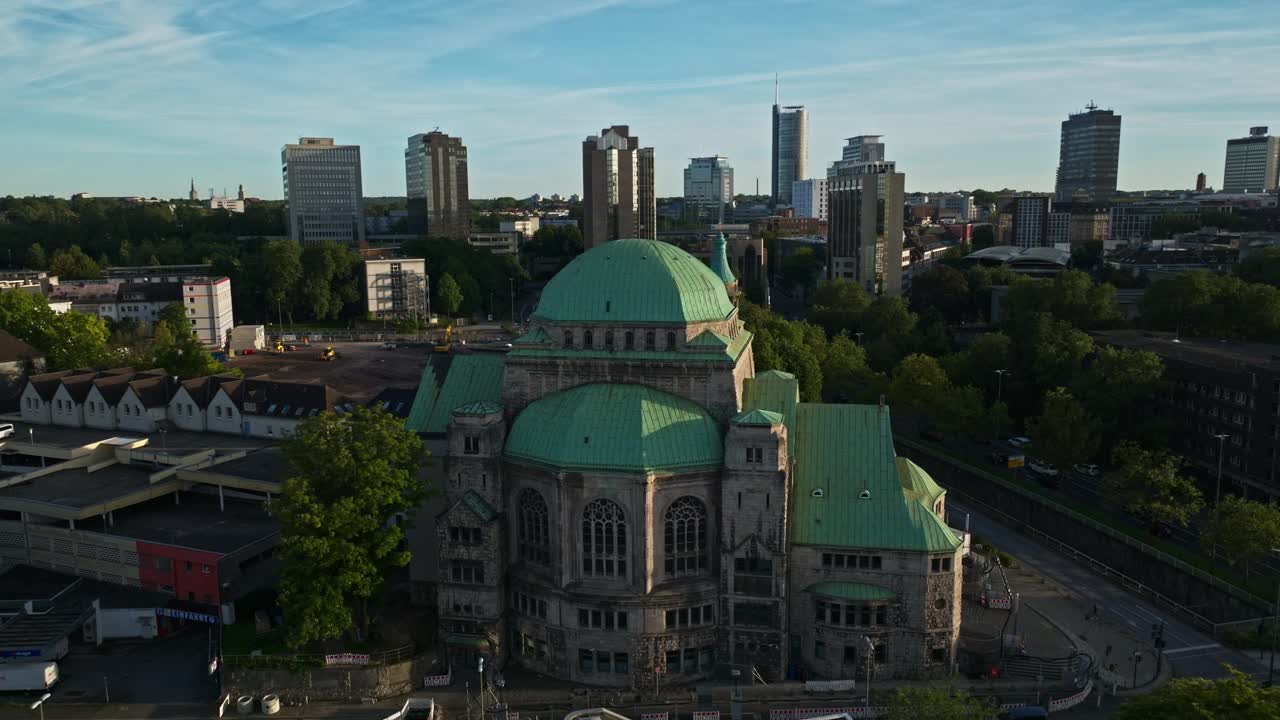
624,495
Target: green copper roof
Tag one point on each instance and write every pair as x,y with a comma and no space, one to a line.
642,281
451,382
852,591
720,260
917,483
536,336
477,407
625,428
842,452
757,417
479,505
709,339
775,391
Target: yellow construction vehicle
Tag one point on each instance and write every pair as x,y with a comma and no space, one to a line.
445,345
279,346
328,354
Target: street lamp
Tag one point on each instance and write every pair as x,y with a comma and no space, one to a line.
39,704
995,419
871,658
859,336
1217,494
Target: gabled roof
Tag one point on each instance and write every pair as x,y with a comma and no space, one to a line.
77,386
536,336
775,391
847,489
395,401
709,339
477,408
615,427
231,386
452,383
286,399
47,384
202,389
14,350
112,388
917,483
479,505
761,418
153,391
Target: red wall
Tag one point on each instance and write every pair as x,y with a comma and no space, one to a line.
187,584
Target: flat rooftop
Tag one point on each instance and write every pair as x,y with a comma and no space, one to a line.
174,441
267,464
23,583
78,490
1220,354
196,522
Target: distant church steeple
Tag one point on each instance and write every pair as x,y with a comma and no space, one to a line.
192,195
240,194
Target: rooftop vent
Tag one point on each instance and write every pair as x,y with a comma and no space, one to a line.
865,495
818,492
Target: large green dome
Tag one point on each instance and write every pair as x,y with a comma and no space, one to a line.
635,281
627,428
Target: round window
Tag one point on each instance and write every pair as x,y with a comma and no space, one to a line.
940,603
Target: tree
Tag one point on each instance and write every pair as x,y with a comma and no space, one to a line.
1261,266
799,268
1150,486
176,316
938,703
175,348
787,346
1121,387
328,281
917,382
1064,433
1234,697
36,259
449,294
1244,529
984,236
837,306
73,264
349,476
68,340
1166,226
944,289
280,267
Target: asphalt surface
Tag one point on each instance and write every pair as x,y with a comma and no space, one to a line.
1191,652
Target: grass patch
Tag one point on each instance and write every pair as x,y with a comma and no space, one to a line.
242,639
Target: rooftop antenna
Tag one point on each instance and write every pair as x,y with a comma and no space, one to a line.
1091,106
775,88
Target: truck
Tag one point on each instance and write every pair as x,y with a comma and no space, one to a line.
28,676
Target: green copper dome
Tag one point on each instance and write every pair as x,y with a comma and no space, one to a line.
614,427
635,281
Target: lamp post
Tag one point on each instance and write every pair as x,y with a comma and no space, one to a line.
859,336
39,704
871,658
995,419
1217,493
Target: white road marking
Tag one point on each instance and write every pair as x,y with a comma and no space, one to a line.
1192,648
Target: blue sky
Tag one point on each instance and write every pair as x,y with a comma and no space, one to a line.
123,97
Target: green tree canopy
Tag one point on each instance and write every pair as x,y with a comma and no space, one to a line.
783,345
917,382
1261,266
1064,433
74,264
1151,486
937,703
944,289
449,294
1234,697
800,268
838,306
68,340
280,265
329,280
349,476
1243,529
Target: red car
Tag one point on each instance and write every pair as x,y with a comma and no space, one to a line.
247,351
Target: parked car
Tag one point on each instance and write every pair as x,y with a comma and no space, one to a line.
1087,469
1019,441
1041,467
999,457
247,351
388,346
6,430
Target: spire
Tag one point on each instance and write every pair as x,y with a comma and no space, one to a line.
193,195
240,194
720,260
775,89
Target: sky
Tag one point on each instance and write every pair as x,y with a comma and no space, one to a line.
124,97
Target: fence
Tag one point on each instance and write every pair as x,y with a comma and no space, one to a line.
384,657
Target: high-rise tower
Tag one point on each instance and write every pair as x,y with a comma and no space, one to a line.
618,198
1089,156
790,147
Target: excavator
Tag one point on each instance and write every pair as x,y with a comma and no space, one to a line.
328,354
445,345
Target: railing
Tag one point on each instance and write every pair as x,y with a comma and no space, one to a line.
317,660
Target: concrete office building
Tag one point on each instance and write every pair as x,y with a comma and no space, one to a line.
1089,156
790,148
708,189
955,206
1030,215
435,174
396,287
1253,163
323,191
618,198
809,198
864,228
857,151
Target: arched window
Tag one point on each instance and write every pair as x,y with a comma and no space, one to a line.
533,532
671,341
629,341
649,342
684,539
604,539
588,340
608,339
568,338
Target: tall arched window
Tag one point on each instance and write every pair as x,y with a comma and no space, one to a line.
684,539
604,539
671,341
588,340
608,339
568,338
649,341
629,341
534,532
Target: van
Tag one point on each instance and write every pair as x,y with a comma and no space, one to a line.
6,430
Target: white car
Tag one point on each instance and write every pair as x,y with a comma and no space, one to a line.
6,430
1043,468
1019,441
1087,469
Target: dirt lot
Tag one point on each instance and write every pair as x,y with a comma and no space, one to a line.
360,372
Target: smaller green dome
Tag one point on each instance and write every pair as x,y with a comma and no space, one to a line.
615,427
635,281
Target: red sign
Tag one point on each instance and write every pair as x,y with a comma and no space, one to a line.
657,669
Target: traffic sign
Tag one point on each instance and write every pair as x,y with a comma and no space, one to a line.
1017,461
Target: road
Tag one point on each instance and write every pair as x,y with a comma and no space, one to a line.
1191,652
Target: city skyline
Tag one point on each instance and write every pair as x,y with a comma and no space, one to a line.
123,98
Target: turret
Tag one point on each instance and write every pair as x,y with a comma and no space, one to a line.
720,264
